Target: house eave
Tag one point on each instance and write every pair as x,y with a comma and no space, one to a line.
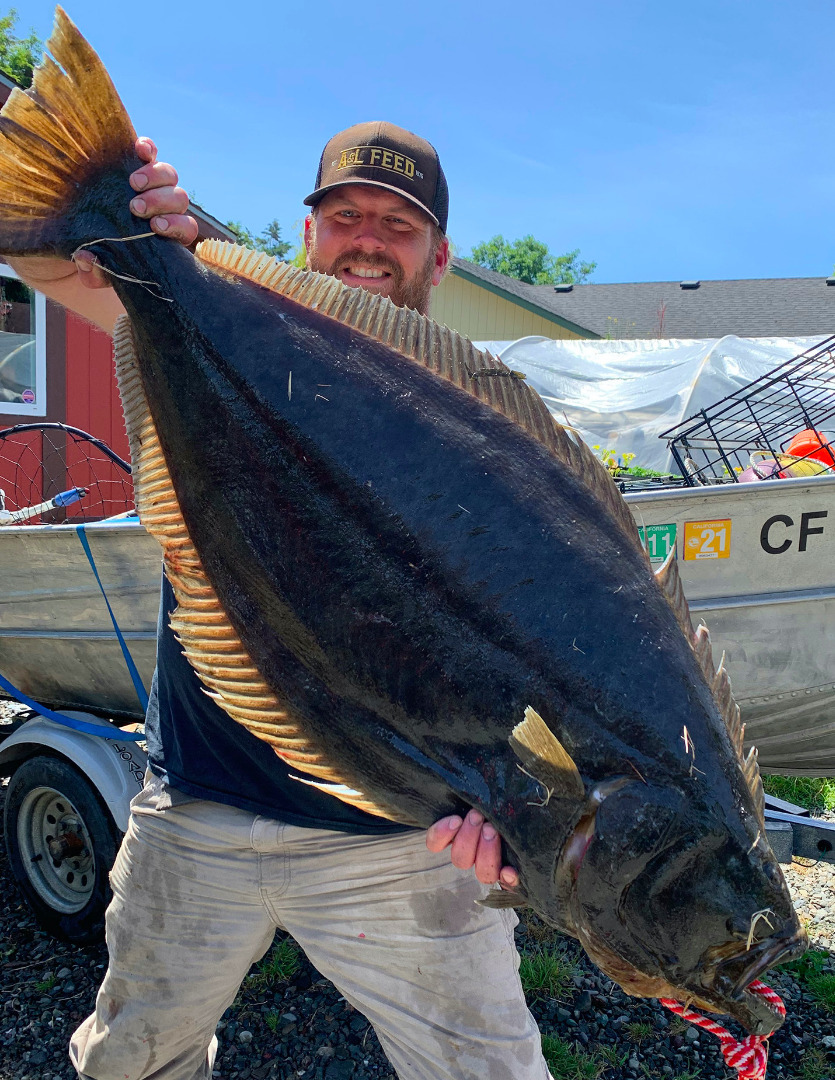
534,309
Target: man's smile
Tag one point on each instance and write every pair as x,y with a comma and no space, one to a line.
375,271
365,272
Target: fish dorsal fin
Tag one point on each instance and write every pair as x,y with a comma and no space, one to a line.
721,687
751,772
669,581
440,349
545,757
210,643
704,653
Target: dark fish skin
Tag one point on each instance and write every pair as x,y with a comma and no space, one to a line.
410,571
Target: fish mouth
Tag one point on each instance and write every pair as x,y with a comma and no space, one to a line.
727,980
724,986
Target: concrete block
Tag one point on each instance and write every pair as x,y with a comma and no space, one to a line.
781,837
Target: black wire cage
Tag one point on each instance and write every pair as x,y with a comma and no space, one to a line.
780,425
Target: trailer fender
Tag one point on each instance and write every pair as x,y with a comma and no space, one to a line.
116,767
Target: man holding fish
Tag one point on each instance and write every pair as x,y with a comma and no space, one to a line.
225,843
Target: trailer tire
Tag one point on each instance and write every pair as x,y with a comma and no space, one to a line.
61,841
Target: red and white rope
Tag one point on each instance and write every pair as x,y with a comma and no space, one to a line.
749,1056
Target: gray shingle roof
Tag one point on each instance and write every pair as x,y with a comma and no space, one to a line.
758,307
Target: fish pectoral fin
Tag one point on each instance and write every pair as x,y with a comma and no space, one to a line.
340,790
504,898
350,796
545,757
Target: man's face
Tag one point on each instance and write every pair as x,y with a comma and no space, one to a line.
373,239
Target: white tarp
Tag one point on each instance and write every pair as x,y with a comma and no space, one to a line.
620,395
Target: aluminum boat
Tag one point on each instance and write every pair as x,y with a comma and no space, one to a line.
757,561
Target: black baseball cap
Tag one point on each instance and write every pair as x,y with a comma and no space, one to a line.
386,156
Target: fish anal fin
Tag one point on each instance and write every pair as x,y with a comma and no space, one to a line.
543,755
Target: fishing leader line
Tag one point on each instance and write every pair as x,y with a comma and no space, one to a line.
124,277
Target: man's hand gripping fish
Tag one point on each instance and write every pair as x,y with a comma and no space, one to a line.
411,582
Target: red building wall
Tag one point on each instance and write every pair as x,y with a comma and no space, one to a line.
82,393
93,404
92,397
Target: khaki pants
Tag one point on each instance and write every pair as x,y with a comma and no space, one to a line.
198,891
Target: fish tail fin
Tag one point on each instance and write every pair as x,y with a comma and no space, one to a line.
55,138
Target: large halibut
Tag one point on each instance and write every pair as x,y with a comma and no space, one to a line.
395,568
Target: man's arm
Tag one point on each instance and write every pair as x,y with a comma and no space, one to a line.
83,288
62,281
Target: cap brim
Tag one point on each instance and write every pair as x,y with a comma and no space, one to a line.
317,195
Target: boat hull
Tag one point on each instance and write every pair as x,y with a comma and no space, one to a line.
768,598
57,642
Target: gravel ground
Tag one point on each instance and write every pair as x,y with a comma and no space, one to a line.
301,1027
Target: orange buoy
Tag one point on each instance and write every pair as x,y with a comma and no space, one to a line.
812,444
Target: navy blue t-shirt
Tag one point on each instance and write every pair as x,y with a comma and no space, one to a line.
196,747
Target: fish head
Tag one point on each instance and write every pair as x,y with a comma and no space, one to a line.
675,895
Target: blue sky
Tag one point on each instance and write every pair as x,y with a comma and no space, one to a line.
665,140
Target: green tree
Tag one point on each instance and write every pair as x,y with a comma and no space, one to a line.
18,56
269,241
242,233
530,260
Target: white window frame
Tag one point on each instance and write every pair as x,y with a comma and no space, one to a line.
38,407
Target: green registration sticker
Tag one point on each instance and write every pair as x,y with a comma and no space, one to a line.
659,540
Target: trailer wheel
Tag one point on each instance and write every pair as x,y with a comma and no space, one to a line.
61,842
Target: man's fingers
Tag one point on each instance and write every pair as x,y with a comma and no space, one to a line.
475,844
159,200
90,274
488,860
442,833
509,877
465,844
165,210
146,149
157,174
162,200
176,226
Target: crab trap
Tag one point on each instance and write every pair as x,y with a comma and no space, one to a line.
780,425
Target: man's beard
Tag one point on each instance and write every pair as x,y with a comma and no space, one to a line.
414,293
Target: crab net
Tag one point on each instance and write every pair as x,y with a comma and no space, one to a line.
51,473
